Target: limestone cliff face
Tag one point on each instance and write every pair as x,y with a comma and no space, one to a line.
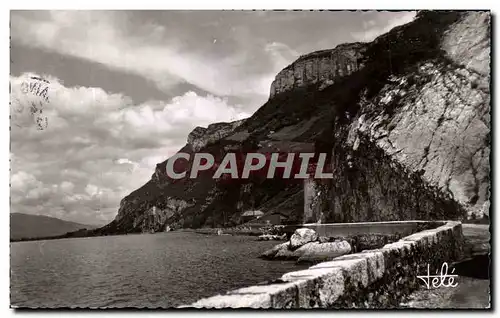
154,219
200,137
321,67
422,143
441,131
406,119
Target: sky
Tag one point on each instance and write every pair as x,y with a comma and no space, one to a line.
126,88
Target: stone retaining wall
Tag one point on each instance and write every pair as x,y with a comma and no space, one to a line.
360,228
370,279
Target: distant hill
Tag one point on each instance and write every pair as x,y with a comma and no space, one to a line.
24,226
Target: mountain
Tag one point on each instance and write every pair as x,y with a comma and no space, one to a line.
23,226
405,120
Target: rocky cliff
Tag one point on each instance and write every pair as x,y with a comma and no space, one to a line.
323,67
422,143
200,137
406,119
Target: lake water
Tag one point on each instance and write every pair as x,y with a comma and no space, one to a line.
150,270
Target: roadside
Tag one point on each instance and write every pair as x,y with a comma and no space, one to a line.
473,290
470,293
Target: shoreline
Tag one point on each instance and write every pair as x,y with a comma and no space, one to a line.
205,231
245,230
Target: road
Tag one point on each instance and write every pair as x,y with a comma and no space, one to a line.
472,291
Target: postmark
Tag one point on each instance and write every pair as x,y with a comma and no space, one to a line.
29,101
36,86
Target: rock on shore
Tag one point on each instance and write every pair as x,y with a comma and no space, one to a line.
301,237
305,246
324,251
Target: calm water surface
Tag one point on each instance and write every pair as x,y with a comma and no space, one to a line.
156,270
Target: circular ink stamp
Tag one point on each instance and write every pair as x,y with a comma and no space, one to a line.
29,101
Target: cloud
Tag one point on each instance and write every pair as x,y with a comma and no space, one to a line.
102,37
23,181
373,29
281,54
97,147
67,187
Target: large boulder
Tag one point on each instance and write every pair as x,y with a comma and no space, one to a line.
301,237
285,253
313,253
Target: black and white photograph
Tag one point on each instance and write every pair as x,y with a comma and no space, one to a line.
250,159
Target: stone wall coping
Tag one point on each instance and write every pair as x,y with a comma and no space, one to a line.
416,222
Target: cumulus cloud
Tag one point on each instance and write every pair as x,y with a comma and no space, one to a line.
97,147
23,181
67,187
